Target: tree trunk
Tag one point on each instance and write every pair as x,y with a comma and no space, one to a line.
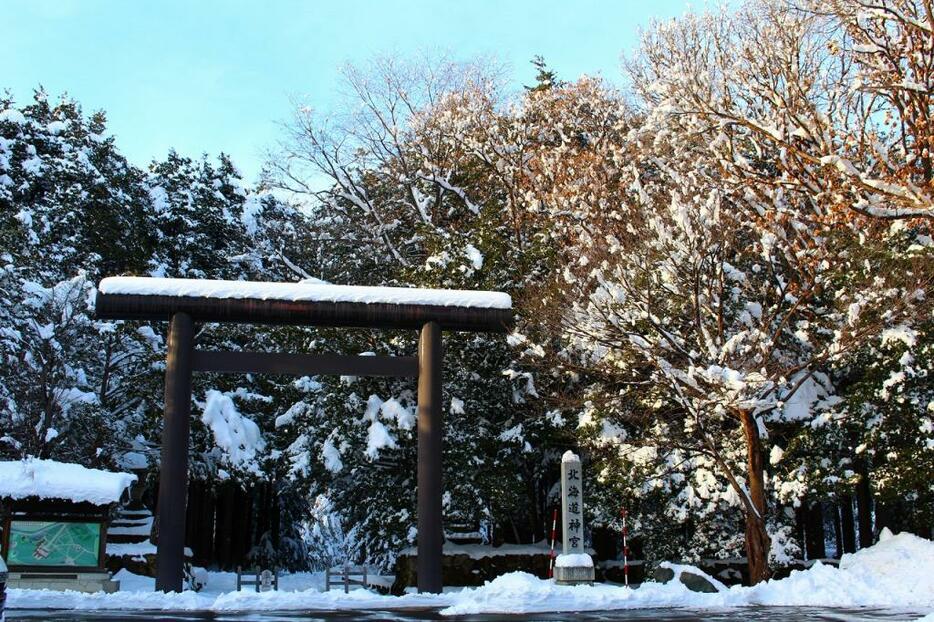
206,525
800,519
192,514
276,508
224,542
847,523
105,377
757,538
886,516
837,531
534,509
815,531
864,510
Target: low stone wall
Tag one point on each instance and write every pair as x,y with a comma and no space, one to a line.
88,582
613,572
736,571
474,564
144,565
475,568
471,570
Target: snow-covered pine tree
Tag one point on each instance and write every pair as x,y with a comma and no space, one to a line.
197,207
71,207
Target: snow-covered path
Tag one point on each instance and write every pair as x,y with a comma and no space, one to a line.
897,573
745,614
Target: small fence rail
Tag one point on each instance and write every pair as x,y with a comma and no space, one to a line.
263,580
345,575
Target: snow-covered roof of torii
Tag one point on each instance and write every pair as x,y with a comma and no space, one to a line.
48,479
315,292
322,304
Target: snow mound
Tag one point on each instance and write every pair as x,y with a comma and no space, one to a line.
521,592
896,572
48,479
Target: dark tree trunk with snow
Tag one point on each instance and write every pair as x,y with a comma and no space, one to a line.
837,531
847,524
864,510
814,540
757,538
886,517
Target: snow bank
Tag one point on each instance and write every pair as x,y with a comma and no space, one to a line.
520,592
48,479
315,292
299,591
897,573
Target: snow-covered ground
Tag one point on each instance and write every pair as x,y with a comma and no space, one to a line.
898,572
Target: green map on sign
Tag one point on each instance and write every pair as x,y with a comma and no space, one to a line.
38,543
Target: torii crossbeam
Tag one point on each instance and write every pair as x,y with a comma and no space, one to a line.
184,302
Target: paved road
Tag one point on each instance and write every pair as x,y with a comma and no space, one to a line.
775,614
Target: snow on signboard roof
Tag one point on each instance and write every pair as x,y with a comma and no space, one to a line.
311,292
48,479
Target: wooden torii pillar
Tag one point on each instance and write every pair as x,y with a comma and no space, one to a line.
132,298
430,421
173,465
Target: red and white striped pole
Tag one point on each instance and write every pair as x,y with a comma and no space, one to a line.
625,548
554,536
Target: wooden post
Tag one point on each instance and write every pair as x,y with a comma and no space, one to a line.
173,477
430,531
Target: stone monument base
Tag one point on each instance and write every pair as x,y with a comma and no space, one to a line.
574,575
574,569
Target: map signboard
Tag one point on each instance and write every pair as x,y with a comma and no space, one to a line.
40,543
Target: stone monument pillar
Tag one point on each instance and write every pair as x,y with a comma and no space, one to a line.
574,565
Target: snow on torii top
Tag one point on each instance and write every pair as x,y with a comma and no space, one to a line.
48,479
306,292
302,304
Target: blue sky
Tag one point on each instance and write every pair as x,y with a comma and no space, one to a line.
212,75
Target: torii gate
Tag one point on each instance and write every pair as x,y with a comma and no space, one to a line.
183,302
